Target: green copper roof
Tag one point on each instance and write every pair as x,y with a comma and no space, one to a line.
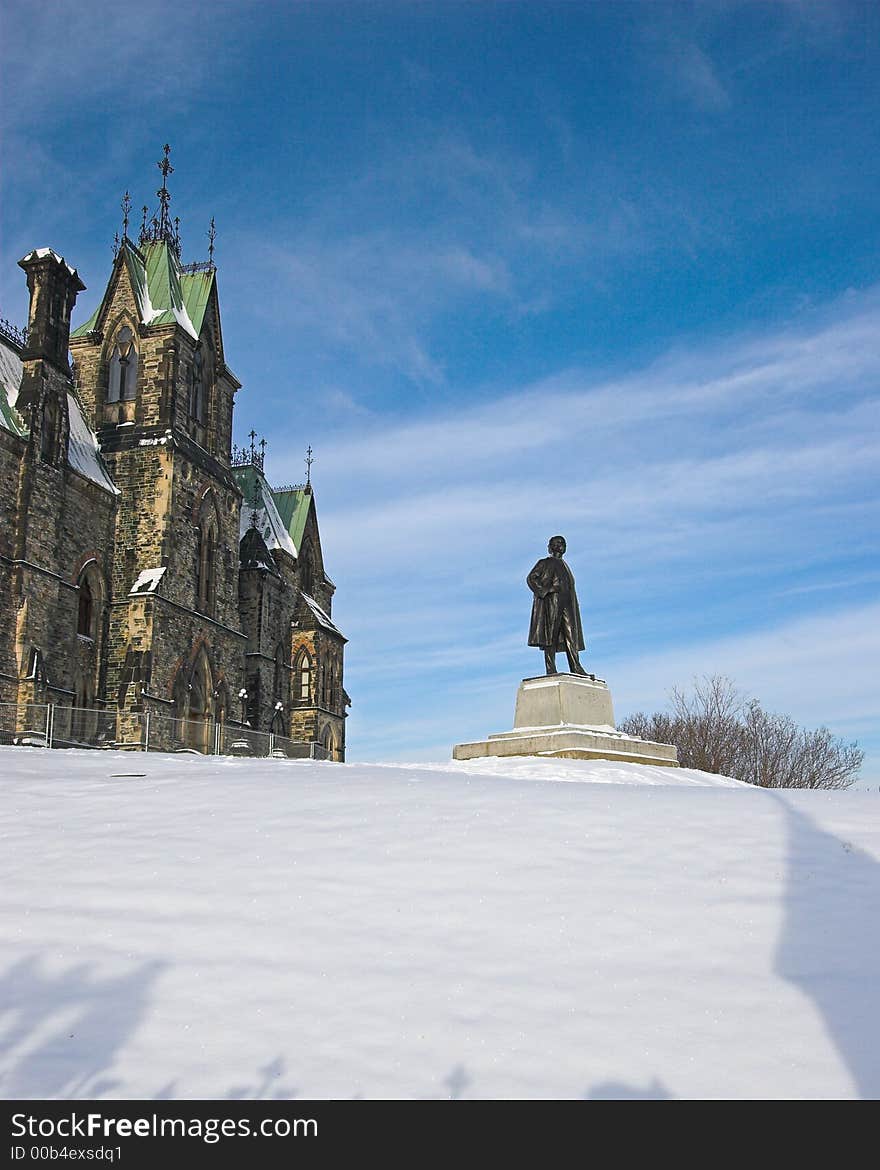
259,499
87,326
293,508
196,289
165,295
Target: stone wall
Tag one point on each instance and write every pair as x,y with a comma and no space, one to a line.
170,648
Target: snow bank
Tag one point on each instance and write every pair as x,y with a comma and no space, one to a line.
181,926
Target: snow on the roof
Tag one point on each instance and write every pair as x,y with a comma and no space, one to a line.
322,617
42,253
138,274
10,380
148,580
83,453
269,523
181,316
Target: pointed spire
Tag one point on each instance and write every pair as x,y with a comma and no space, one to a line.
163,193
161,226
126,209
309,462
212,235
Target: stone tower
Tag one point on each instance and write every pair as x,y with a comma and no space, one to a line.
152,375
58,505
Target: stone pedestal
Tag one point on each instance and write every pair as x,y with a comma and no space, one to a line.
571,717
553,699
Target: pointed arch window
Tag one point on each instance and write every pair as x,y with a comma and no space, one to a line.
303,678
86,609
89,603
207,552
206,557
123,368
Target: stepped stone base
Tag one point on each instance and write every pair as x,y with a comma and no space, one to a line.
568,716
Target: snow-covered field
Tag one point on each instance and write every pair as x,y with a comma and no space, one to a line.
189,927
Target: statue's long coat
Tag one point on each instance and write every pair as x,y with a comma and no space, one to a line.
545,607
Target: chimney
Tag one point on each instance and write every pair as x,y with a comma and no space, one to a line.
53,286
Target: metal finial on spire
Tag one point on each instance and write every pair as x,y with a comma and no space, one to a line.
166,168
126,211
212,236
146,212
161,226
252,436
309,462
116,245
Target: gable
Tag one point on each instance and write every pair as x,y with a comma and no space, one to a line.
258,500
157,286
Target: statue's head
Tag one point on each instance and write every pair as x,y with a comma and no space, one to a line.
556,546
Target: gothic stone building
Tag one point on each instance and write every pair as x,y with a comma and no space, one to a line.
143,568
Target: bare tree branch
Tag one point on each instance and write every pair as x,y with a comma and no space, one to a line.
717,729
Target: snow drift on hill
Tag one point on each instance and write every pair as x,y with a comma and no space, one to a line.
196,927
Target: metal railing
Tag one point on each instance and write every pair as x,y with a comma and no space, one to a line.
51,725
18,337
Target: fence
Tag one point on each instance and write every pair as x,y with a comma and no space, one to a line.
52,725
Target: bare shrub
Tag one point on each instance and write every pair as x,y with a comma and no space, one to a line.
717,729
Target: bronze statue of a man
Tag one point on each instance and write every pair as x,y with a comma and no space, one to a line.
556,619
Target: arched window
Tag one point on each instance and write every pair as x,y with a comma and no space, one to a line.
123,368
206,557
303,672
89,602
86,610
207,545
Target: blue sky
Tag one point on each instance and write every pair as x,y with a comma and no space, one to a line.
611,270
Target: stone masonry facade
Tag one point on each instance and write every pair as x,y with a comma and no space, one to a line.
146,567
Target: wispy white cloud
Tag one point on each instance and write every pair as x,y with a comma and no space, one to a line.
696,76
768,390
686,489
136,52
437,226
822,667
373,296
